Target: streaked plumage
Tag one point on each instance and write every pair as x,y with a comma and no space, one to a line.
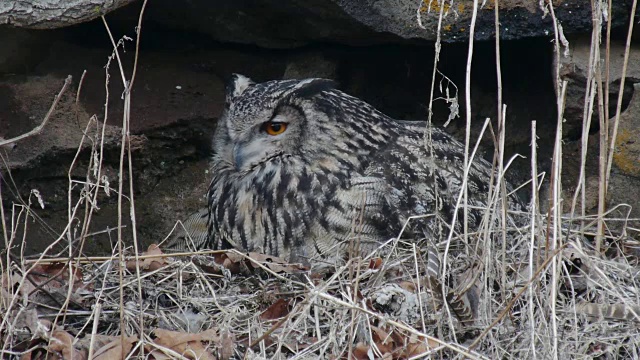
340,171
192,235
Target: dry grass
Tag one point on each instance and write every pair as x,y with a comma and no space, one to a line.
555,287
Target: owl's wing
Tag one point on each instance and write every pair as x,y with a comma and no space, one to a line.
429,175
360,214
423,183
192,234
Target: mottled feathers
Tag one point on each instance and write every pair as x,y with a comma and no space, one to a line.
302,170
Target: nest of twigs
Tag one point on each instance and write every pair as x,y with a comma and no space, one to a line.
525,301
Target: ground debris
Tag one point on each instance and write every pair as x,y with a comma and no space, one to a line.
231,305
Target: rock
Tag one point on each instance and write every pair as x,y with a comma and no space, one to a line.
626,155
50,14
624,189
21,49
311,65
575,68
283,24
403,304
172,124
518,18
271,23
266,23
624,184
25,101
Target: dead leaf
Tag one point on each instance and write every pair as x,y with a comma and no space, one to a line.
383,340
149,264
49,284
171,339
298,344
316,277
62,343
159,355
28,319
277,310
211,264
408,285
375,263
418,345
111,347
276,264
226,345
55,276
233,262
361,351
238,263
191,345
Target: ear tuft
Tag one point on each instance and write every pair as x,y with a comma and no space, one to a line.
237,85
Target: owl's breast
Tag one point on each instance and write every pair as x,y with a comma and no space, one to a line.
297,211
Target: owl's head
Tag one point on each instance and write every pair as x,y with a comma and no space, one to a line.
300,120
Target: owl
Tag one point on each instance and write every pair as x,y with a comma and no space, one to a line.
304,171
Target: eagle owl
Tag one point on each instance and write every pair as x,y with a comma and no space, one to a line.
302,170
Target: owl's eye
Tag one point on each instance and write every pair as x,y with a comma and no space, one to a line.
275,128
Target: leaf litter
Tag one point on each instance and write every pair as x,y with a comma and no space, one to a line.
229,304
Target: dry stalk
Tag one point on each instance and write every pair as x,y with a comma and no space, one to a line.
590,90
125,145
534,220
623,76
120,186
98,259
561,87
509,306
467,137
455,218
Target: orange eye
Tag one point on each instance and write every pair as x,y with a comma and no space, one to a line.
275,128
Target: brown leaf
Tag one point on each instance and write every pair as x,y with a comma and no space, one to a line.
28,318
418,345
55,278
149,264
316,277
210,264
156,354
171,339
226,345
398,337
277,310
276,264
375,263
111,347
9,280
361,351
408,285
233,262
187,344
383,340
242,263
49,284
62,343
